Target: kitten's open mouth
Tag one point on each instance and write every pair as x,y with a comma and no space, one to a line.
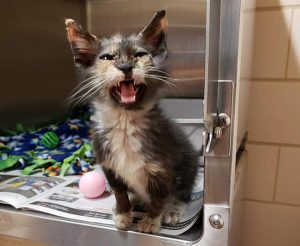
127,91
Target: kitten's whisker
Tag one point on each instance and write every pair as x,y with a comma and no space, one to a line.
160,79
80,91
89,78
96,86
170,85
79,88
98,81
159,75
85,82
157,70
92,87
86,96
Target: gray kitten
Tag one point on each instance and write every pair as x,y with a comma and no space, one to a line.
140,150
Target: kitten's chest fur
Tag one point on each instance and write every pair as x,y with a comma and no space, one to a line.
122,131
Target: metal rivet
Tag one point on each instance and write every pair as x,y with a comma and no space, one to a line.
216,221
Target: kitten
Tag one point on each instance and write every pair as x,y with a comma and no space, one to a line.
139,149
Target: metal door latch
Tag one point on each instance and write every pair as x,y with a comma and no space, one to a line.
214,125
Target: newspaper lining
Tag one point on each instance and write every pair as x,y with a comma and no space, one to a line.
61,196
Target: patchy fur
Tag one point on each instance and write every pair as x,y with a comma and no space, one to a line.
140,150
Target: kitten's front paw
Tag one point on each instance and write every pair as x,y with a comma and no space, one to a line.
173,213
149,225
123,221
172,218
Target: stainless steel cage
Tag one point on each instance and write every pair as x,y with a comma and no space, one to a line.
205,41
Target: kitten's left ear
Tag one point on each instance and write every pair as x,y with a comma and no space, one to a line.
85,46
153,35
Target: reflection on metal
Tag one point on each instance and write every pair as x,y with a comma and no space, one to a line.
211,236
216,221
186,35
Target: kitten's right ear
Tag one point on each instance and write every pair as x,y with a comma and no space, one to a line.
85,46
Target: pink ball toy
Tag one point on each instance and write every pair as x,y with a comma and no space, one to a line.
92,184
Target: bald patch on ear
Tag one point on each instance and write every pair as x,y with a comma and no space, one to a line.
164,23
75,31
71,29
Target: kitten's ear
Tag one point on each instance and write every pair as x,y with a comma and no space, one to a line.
153,35
85,46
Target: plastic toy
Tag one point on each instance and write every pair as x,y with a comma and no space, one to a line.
50,140
92,184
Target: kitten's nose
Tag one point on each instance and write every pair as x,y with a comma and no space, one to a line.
125,68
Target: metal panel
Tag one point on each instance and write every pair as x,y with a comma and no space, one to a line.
36,226
223,39
183,110
61,232
186,34
36,67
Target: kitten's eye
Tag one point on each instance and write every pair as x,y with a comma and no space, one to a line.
140,54
106,57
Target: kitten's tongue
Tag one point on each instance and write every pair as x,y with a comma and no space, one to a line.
127,93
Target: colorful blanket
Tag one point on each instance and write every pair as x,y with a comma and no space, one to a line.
57,149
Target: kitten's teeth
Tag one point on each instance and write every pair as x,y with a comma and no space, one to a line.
118,84
134,82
